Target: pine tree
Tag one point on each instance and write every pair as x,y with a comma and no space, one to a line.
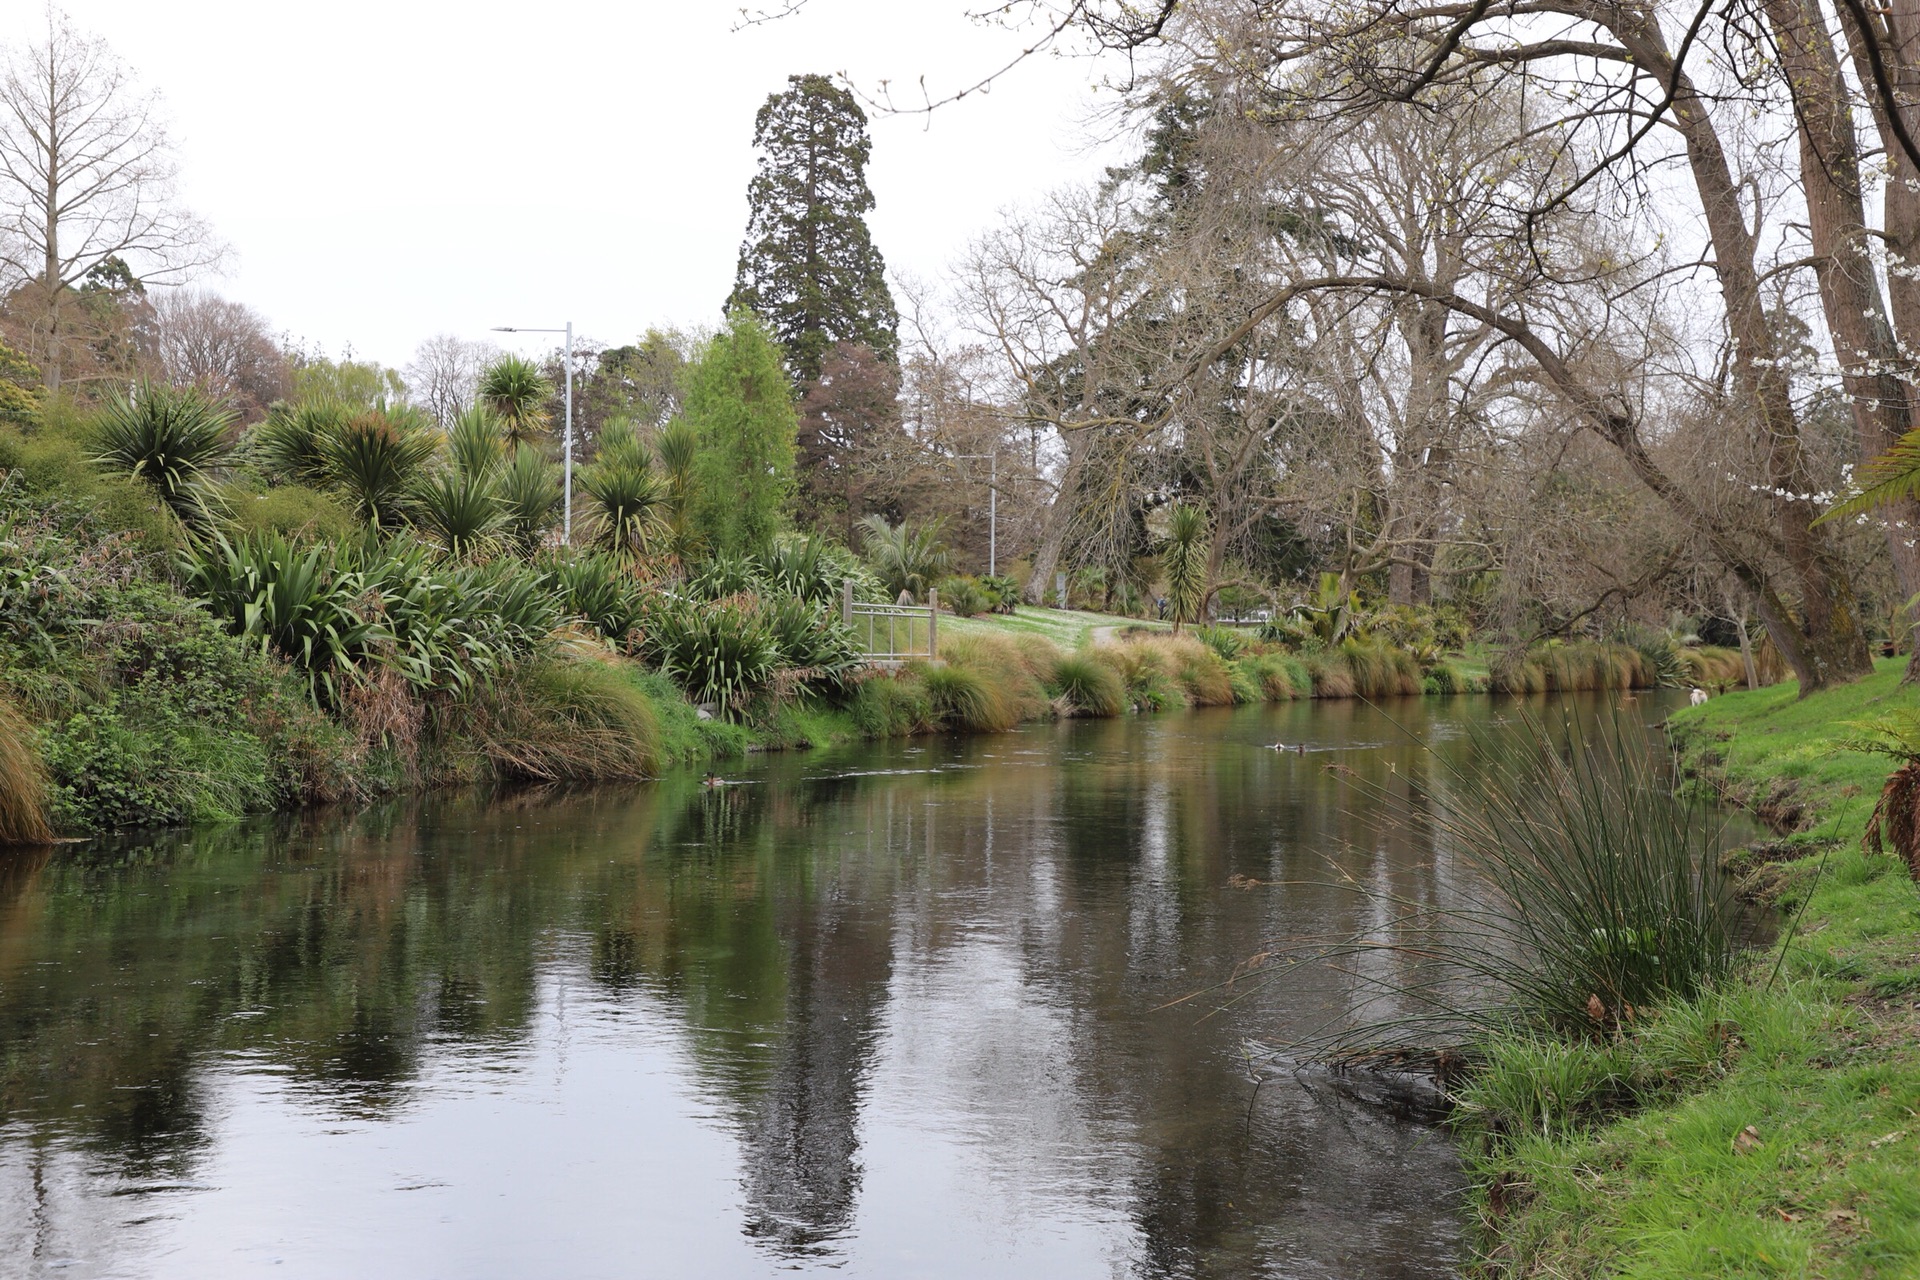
808,266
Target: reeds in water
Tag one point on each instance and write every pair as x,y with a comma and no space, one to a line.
1603,899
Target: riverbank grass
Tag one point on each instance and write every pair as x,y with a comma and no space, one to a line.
1772,1125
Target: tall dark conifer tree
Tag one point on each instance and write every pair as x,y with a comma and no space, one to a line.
808,267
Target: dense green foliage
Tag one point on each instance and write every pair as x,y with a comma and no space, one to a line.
741,414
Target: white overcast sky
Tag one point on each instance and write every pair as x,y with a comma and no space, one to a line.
384,171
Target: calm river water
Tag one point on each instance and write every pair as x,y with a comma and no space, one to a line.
893,1011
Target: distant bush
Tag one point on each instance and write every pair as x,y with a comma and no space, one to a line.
292,511
963,596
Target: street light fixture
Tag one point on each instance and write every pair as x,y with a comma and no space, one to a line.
567,448
993,506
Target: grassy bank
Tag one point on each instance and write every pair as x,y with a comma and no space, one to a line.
1771,1127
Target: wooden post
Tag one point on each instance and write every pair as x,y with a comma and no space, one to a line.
846,602
933,623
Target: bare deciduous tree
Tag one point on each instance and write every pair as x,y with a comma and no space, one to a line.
86,174
222,347
443,373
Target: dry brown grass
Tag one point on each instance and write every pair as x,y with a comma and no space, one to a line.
23,782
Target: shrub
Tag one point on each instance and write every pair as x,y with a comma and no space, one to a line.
1378,670
530,493
1222,640
598,589
552,720
459,509
966,699
294,601
1604,899
292,511
721,652
170,439
892,706
1143,669
814,569
375,459
962,596
23,782
288,445
906,560
57,469
1009,667
1088,686
1002,593
626,501
813,643
1330,676
1276,677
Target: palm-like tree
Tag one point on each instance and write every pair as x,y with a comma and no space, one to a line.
529,496
1184,558
628,499
476,445
288,443
907,560
514,389
375,460
172,439
460,509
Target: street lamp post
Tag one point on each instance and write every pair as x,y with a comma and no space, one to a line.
566,456
993,506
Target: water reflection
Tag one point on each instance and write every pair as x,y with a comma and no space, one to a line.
890,1011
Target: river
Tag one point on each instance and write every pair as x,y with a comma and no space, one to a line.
897,1010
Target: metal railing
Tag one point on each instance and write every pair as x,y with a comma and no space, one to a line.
893,633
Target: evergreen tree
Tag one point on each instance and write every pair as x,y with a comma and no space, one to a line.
808,267
740,407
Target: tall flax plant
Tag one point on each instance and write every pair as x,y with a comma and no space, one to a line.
1605,899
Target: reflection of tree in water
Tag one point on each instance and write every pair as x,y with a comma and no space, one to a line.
783,954
802,1138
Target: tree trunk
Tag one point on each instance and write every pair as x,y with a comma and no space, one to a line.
1826,636
1857,314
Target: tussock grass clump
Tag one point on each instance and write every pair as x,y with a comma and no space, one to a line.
892,706
1279,679
1009,667
1199,673
964,698
1711,667
554,720
1143,672
1581,666
1331,676
1380,670
23,782
1089,687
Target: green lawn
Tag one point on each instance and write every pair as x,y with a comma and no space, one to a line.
1790,1145
1068,628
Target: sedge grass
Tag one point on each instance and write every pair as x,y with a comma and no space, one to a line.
23,782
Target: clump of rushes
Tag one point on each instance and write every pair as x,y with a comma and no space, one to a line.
891,706
23,783
1089,687
558,720
1604,900
968,700
1008,667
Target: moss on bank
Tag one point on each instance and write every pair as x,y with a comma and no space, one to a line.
1771,1128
